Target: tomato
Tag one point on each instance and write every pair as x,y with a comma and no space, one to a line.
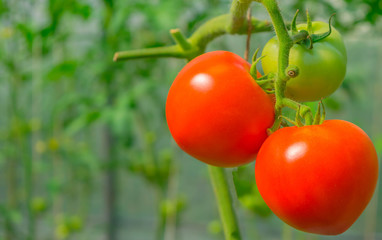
321,69
216,112
318,178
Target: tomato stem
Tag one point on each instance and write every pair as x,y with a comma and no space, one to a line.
224,201
238,12
285,44
300,36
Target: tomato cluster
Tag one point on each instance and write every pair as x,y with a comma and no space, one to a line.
317,178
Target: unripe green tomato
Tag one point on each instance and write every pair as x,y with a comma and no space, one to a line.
321,69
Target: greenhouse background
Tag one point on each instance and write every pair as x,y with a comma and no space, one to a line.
85,151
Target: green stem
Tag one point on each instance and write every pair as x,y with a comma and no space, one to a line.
171,51
300,36
224,202
238,11
180,39
285,44
285,41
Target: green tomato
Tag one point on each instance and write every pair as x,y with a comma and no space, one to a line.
321,69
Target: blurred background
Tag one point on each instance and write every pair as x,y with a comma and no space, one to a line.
85,152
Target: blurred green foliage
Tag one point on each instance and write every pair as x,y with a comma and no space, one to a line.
85,149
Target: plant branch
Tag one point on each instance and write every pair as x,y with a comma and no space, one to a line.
171,51
224,200
198,41
238,12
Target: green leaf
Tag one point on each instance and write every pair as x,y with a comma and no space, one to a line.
83,121
82,10
65,69
28,34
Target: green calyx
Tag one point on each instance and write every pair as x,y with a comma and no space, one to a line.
319,37
265,82
303,112
319,117
307,37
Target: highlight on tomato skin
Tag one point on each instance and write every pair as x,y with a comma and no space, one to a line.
318,178
216,112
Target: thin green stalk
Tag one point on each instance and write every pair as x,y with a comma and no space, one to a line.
224,201
171,51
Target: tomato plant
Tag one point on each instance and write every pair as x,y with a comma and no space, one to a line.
318,178
216,112
321,69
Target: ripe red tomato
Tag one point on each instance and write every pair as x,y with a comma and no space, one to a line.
318,178
216,112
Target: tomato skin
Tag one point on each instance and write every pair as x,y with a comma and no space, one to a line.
216,112
321,69
318,178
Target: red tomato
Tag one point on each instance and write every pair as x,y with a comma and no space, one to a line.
216,112
318,178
